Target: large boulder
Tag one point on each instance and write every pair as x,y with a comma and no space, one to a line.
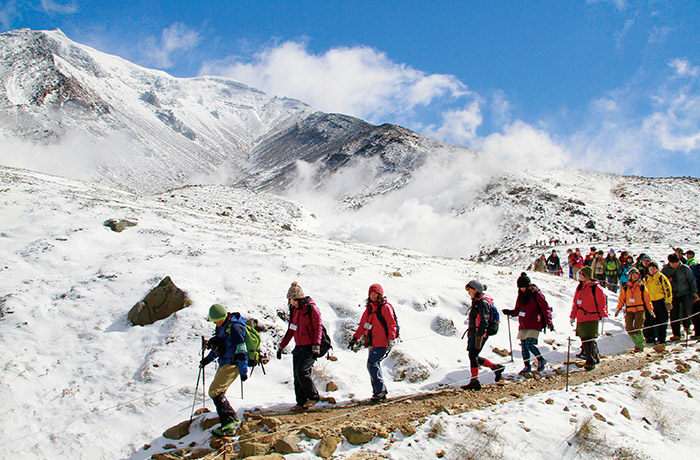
178,431
359,434
164,300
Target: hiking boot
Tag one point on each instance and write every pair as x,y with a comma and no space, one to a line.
310,403
674,338
541,362
525,370
474,384
589,367
581,355
498,371
379,396
297,408
638,350
225,430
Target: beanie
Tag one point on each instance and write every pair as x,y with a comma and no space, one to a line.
612,251
523,281
217,312
376,287
295,292
633,270
477,286
587,271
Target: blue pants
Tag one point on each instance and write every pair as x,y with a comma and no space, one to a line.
528,346
374,359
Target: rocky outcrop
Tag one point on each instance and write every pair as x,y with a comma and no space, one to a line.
164,300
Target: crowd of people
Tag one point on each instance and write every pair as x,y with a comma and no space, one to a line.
649,297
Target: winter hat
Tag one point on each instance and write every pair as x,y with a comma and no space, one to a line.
586,271
611,251
690,253
654,264
673,258
376,287
477,286
633,270
523,281
217,312
644,257
295,292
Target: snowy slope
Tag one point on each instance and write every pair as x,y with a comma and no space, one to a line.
79,382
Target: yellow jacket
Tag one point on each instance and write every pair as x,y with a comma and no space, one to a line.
635,297
659,287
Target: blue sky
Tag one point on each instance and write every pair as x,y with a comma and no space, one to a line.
608,85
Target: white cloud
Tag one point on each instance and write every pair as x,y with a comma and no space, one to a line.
620,35
620,5
8,12
683,68
358,81
176,38
52,6
459,126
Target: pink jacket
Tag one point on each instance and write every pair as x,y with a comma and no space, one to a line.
373,327
590,303
304,326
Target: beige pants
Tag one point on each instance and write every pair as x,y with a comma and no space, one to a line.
634,322
223,379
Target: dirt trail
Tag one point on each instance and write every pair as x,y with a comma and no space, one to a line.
402,413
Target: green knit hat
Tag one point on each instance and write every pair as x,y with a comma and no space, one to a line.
217,312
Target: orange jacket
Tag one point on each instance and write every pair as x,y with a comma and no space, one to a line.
635,298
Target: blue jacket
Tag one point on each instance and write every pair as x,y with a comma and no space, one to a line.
231,334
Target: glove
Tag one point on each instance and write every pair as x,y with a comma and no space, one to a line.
203,363
572,321
244,377
391,345
617,312
279,353
550,327
316,350
352,343
669,306
478,341
507,312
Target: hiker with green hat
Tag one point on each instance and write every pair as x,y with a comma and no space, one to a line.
228,346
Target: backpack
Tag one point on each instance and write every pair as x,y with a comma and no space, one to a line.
494,320
381,319
326,344
252,340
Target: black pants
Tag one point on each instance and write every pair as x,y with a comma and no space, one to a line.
304,388
475,360
652,325
682,307
590,351
696,318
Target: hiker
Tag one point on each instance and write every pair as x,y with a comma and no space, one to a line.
577,263
305,326
228,345
588,260
625,271
478,321
553,264
598,266
695,268
690,258
611,267
661,295
378,330
570,261
635,299
589,308
534,315
643,265
685,291
540,264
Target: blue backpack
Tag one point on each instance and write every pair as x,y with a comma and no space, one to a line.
494,320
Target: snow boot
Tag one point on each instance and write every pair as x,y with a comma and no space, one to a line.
225,430
474,384
379,396
541,362
498,371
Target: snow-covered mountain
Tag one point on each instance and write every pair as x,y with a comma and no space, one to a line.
145,131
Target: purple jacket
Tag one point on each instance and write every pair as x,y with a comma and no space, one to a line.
532,310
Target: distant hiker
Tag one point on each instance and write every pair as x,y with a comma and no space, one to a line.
228,345
570,257
611,266
378,330
690,258
590,306
598,266
635,300
577,263
478,320
553,263
588,260
305,326
661,294
534,315
685,291
681,256
643,265
625,271
695,268
540,264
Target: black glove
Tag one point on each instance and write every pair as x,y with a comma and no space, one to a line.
203,363
244,377
279,353
551,327
352,343
316,350
508,312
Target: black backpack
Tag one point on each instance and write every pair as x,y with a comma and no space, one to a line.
326,344
381,319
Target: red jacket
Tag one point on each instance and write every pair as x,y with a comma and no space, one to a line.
370,324
577,261
587,305
304,325
535,314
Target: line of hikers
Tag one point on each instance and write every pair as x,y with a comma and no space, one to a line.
660,291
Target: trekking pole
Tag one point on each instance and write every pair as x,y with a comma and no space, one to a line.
510,341
241,388
204,384
196,391
568,357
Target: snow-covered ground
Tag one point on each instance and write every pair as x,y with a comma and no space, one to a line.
79,382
